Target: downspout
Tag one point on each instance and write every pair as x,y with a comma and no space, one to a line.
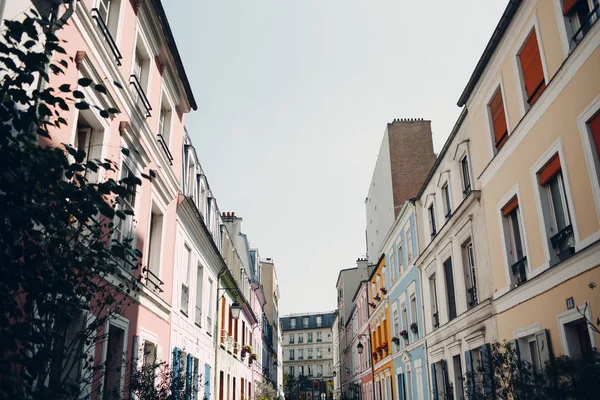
217,338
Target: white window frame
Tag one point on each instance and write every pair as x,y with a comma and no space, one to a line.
592,159
572,315
498,84
123,323
556,148
156,199
527,30
512,192
409,244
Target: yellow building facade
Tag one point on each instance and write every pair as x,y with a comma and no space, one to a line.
379,325
533,107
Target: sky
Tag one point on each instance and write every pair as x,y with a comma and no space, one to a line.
293,99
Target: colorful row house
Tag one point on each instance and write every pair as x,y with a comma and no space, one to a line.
200,302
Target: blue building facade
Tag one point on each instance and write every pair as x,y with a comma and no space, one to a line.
406,307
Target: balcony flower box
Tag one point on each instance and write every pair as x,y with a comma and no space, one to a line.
404,334
374,355
384,346
414,328
373,305
383,290
377,297
396,340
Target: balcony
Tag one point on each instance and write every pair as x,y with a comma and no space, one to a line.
563,243
472,296
107,36
519,271
436,320
152,281
165,148
139,95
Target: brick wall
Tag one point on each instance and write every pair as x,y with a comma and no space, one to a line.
411,157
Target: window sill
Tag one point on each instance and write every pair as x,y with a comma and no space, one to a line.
184,313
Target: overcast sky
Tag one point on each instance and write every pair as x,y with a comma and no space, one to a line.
293,99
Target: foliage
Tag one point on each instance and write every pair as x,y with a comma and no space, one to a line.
265,391
514,378
290,385
156,381
57,243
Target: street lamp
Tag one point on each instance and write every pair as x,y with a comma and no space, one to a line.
235,310
360,348
334,374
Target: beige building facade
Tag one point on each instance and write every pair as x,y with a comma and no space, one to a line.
533,103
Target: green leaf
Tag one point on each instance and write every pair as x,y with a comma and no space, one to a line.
85,82
113,110
82,105
125,151
78,94
104,114
117,84
65,87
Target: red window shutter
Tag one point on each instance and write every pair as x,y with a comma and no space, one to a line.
531,65
551,169
595,127
498,119
568,5
510,206
223,304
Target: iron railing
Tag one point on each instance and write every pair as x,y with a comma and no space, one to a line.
472,292
586,25
140,94
152,280
535,91
519,271
165,148
563,242
436,319
112,45
198,316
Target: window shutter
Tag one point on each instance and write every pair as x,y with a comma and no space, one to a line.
543,344
207,381
510,206
595,128
470,374
176,371
498,119
188,377
531,66
568,5
434,387
401,387
551,169
488,370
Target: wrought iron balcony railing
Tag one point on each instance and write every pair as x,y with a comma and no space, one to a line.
112,45
139,94
585,25
563,242
472,292
165,148
152,281
436,320
519,271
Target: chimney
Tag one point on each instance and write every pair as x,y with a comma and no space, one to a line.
361,263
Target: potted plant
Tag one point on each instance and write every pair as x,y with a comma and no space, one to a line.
252,358
414,327
383,290
373,305
380,349
384,346
377,297
396,340
374,355
404,334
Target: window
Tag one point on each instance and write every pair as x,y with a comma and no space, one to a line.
210,305
409,245
300,338
531,68
300,354
319,320
199,284
292,355
293,323
319,337
310,354
68,366
458,378
185,277
432,227
557,211
292,371
319,354
409,391
319,370
446,198
150,355
405,322
448,274
164,124
578,340
435,315
396,327
400,259
89,140
535,349
291,338
580,15
466,177
124,227
413,314
594,125
301,370
139,78
154,248
470,273
498,119
309,337
514,245
113,374
305,322
310,370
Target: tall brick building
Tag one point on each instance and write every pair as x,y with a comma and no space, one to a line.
405,158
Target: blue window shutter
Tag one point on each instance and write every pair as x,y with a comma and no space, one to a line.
434,387
400,387
176,371
470,374
188,377
445,376
207,381
488,372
